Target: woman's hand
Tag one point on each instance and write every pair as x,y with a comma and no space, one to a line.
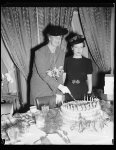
89,92
64,89
59,99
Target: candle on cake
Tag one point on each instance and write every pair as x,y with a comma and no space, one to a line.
87,98
84,98
92,99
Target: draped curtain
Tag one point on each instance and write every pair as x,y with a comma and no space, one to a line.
4,83
55,15
96,24
19,33
12,86
76,27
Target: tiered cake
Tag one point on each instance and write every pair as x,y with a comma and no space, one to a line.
86,109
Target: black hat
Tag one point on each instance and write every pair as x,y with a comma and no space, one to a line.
76,39
56,30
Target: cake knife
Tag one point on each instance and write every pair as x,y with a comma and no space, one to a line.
72,97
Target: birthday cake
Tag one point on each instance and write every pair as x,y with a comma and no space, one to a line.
86,109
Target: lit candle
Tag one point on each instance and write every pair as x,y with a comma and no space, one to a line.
84,97
87,97
90,98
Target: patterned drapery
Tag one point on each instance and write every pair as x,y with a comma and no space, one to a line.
76,27
8,64
19,29
96,23
19,32
55,15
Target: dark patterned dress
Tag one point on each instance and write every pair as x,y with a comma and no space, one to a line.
76,76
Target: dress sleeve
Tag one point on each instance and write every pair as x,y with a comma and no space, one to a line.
89,67
42,67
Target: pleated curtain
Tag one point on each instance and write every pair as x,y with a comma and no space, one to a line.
19,33
55,15
96,24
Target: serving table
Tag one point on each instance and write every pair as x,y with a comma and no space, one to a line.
25,130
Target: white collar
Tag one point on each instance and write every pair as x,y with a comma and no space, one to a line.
51,48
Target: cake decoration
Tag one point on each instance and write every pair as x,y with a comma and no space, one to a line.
82,113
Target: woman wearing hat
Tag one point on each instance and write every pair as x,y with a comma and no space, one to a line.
78,70
47,76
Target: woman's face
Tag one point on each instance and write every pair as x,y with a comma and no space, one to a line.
77,49
55,40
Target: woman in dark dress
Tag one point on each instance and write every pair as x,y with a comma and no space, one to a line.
78,71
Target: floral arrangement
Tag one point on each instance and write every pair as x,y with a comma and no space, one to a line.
8,121
15,126
8,77
55,72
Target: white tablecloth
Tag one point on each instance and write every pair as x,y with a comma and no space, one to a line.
87,137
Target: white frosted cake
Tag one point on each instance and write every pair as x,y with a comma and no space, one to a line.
86,123
86,109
